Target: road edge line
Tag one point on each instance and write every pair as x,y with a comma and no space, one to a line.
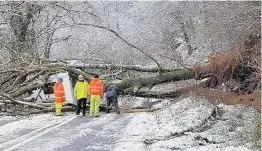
38,135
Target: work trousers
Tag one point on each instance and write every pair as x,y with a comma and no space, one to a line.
58,108
113,100
94,105
81,103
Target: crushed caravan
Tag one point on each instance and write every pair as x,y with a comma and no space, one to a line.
46,93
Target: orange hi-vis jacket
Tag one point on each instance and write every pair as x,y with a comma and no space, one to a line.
59,92
96,87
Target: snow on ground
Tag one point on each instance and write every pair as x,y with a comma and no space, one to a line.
13,129
190,124
135,132
6,119
216,148
140,102
82,127
182,116
163,123
172,86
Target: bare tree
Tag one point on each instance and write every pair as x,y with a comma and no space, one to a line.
20,17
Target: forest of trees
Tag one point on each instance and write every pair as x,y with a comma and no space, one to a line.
168,40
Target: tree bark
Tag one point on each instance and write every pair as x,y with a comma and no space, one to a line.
13,101
137,83
126,67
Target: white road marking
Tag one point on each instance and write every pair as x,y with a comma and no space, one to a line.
38,135
23,137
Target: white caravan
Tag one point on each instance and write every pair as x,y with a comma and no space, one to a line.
46,94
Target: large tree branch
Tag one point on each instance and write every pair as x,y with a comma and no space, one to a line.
171,94
137,83
124,40
173,59
249,27
13,101
127,67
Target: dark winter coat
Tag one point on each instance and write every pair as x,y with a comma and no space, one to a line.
111,92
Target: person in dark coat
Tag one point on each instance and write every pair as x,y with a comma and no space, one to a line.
111,97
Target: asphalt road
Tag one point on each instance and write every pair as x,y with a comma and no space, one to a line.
187,125
66,133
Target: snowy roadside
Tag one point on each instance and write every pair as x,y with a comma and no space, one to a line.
190,124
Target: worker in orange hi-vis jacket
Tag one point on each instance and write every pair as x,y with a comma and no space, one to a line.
96,91
59,95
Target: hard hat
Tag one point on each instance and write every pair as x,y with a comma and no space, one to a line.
96,75
80,77
60,78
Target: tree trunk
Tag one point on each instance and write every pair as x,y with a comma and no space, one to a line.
126,67
137,83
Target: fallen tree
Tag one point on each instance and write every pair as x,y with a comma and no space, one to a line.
36,76
18,82
28,79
